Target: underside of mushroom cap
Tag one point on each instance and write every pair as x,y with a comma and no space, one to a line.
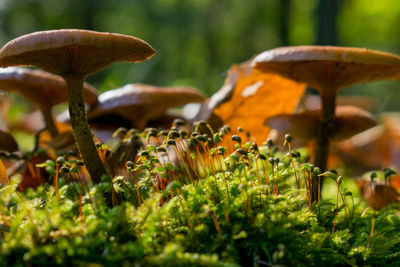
349,121
81,52
40,87
329,67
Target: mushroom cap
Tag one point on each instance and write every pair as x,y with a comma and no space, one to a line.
71,51
311,102
136,101
349,121
328,67
378,194
40,87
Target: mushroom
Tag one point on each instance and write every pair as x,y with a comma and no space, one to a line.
44,89
141,103
311,102
328,69
348,121
73,55
373,149
378,194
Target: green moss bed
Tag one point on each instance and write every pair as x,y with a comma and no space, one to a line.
213,210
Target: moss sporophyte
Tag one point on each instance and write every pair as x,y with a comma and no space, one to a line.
176,201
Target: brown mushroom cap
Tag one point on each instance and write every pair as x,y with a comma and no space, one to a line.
378,194
349,121
312,102
40,87
139,102
73,51
328,67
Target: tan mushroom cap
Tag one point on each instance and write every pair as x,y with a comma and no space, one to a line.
144,102
73,51
349,121
312,102
378,194
328,67
40,87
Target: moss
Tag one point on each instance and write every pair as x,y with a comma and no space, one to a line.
164,219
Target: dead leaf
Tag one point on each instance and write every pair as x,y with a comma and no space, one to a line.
64,140
254,97
7,142
33,176
395,182
3,174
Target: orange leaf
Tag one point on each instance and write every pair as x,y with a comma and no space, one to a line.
64,139
395,182
257,96
3,174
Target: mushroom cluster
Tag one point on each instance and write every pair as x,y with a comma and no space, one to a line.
73,55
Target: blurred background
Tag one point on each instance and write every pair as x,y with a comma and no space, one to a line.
198,40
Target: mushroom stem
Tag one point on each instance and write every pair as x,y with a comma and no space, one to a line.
81,130
322,145
49,121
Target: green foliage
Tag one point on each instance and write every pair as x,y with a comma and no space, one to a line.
209,206
199,224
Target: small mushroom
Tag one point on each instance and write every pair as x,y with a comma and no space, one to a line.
348,121
141,103
73,55
44,89
328,69
378,194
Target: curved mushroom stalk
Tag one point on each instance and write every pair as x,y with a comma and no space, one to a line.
49,122
81,128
